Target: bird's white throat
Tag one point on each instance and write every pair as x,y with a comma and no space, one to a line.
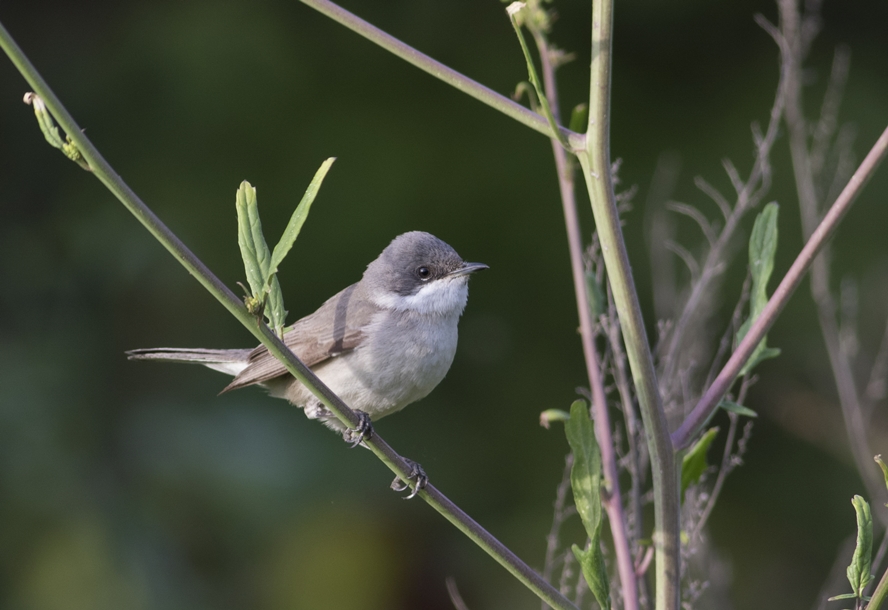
445,296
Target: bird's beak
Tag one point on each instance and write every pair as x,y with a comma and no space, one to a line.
468,268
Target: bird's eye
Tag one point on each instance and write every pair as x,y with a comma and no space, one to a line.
423,273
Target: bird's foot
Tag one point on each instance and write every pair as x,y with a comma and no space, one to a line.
363,431
417,475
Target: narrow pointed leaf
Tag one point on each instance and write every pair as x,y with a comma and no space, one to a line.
254,250
883,466
299,215
274,310
842,596
859,571
733,407
585,480
694,464
597,300
762,249
591,561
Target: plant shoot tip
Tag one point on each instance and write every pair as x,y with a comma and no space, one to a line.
514,8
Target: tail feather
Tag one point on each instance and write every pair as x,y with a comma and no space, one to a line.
230,361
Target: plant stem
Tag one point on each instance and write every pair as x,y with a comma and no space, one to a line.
612,499
749,195
595,162
561,512
708,403
804,169
105,173
664,477
439,70
879,594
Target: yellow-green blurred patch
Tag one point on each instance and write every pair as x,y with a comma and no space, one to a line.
74,568
335,557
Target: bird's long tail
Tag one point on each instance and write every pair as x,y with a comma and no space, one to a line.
230,361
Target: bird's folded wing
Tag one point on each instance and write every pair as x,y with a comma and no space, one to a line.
334,329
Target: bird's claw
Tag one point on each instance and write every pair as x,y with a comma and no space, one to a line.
363,431
417,474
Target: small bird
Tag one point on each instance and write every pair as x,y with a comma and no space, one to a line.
380,344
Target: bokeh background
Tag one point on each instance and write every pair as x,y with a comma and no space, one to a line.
132,485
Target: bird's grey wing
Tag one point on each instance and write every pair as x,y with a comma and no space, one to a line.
334,329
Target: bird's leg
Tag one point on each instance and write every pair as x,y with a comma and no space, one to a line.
417,474
364,430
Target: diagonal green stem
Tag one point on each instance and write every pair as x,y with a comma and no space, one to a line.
595,162
105,173
439,70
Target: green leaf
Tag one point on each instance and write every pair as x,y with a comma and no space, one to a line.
592,563
694,464
859,571
842,596
579,116
761,353
883,466
266,291
597,300
254,250
762,249
299,215
585,480
733,407
274,309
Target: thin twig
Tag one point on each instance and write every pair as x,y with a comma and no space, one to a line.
561,512
729,459
731,331
689,427
686,257
876,386
596,164
630,419
567,572
612,501
440,71
697,216
715,195
749,194
807,164
832,100
106,174
455,598
611,323
660,227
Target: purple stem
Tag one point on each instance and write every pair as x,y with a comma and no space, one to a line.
690,426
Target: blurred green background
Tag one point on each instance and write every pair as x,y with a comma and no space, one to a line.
132,485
